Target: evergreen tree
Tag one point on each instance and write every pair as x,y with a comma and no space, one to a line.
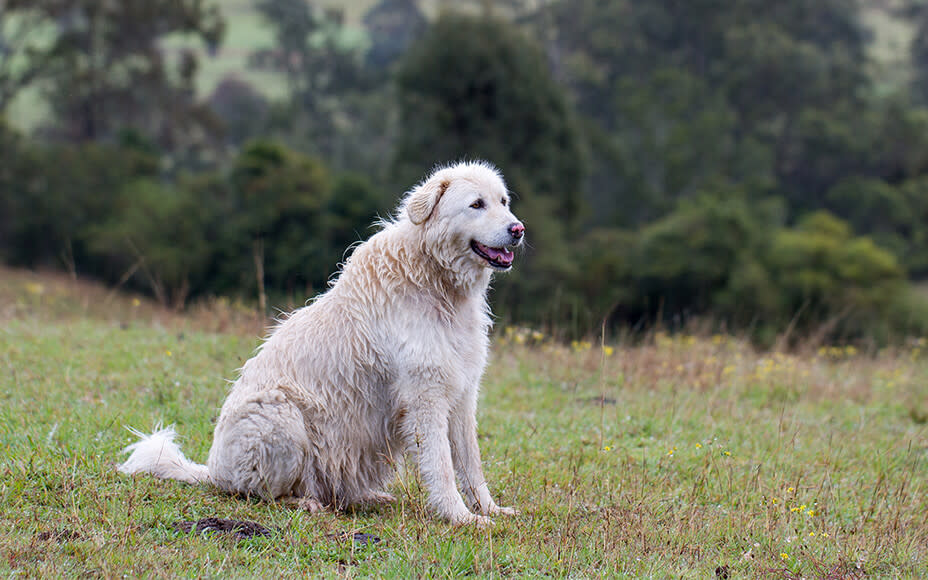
476,87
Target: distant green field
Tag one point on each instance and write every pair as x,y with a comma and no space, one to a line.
683,457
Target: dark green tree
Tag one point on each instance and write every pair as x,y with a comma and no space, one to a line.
476,87
392,25
687,262
831,281
243,110
749,79
916,12
672,136
57,193
111,71
156,232
896,217
278,210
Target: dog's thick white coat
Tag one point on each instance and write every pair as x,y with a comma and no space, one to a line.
388,361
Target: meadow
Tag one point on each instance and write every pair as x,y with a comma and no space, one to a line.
686,456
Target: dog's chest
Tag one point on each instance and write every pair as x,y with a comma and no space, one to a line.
449,339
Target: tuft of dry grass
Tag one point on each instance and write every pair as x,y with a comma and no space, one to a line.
55,296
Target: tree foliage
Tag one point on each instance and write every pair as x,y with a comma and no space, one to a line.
735,161
110,72
501,103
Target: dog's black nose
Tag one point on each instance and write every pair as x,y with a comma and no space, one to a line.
516,230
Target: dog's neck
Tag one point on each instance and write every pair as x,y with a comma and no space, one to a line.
402,261
453,282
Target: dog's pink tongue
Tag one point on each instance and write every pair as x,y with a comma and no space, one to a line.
500,255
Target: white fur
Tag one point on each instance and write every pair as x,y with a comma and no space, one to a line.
388,361
159,455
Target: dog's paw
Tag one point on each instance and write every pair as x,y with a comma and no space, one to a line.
506,511
470,519
492,509
378,498
310,505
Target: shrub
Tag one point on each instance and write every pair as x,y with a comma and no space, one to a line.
824,275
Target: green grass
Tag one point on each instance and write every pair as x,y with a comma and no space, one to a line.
666,459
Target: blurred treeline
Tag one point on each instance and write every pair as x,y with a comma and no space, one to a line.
737,161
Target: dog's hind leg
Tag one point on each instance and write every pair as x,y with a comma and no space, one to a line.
376,498
260,447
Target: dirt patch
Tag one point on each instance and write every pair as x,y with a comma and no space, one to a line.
60,536
597,400
357,537
239,528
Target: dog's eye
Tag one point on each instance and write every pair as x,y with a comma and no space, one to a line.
504,201
478,204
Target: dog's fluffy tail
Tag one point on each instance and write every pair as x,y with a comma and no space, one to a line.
160,456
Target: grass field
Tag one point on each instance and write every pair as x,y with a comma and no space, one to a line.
687,457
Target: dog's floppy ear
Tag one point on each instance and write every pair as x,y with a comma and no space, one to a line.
424,198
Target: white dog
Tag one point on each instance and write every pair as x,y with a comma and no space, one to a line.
388,360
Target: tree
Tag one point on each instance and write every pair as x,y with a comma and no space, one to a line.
916,12
500,103
158,231
243,110
111,72
687,261
895,216
393,25
826,276
736,84
323,67
57,193
279,202
672,136
25,48
18,182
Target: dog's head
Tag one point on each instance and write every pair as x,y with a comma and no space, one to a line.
464,214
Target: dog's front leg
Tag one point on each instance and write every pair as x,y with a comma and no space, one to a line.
427,434
465,452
